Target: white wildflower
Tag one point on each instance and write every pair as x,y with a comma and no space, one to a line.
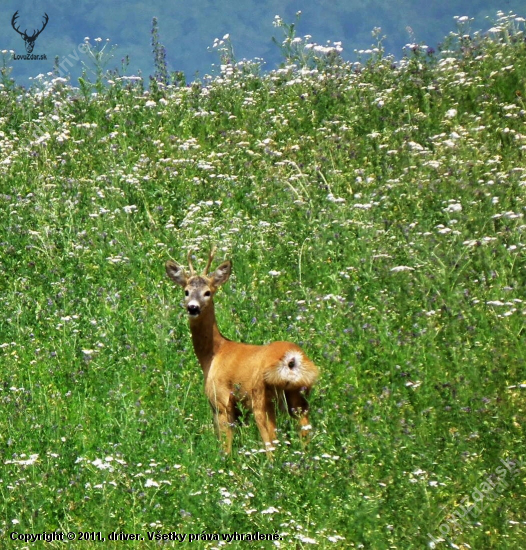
453,207
98,463
335,538
24,462
151,483
332,198
270,510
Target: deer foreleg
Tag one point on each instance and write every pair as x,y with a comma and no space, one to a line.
223,421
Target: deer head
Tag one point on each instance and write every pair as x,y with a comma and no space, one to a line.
198,289
29,40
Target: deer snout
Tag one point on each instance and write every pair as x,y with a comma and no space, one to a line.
193,309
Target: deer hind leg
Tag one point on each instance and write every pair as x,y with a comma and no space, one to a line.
265,415
299,408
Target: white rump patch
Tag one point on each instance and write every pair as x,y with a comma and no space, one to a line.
293,371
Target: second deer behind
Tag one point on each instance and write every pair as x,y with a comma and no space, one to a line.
258,377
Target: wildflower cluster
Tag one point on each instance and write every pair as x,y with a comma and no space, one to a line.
304,53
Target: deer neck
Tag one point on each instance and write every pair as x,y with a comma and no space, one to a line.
206,337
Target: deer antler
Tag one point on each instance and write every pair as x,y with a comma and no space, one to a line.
36,33
192,272
210,259
24,34
13,21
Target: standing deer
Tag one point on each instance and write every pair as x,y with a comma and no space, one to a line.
29,40
242,374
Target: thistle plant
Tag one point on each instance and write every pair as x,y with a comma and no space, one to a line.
159,56
96,65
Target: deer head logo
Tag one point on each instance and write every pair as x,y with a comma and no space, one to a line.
29,40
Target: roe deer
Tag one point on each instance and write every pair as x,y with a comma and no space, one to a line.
236,373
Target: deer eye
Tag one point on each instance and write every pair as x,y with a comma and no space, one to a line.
207,293
186,293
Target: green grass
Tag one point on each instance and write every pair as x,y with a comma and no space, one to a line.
374,214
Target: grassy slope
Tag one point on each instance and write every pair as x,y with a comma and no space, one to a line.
333,178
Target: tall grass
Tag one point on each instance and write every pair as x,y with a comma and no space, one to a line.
375,215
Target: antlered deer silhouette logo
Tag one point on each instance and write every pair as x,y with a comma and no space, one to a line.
29,40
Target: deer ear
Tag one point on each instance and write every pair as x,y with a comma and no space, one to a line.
176,273
221,274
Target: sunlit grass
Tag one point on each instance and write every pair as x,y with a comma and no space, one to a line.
374,213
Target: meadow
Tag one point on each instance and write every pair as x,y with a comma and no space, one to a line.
374,214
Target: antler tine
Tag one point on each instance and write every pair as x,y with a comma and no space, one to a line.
192,272
210,259
36,33
13,21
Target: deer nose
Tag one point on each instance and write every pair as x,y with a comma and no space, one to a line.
193,309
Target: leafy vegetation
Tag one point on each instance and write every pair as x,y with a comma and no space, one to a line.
374,212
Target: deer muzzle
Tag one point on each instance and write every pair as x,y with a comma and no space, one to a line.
193,309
